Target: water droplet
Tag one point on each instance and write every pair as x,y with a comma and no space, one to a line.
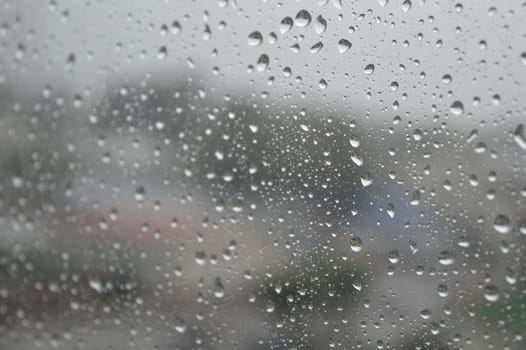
394,256
320,25
442,290
338,4
302,19
139,194
415,199
446,79
457,108
255,39
518,136
502,224
425,314
357,285
180,325
323,84
344,45
406,5
285,25
270,307
356,244
262,63
316,47
357,159
219,289
354,141
383,2
491,293
163,52
295,48
446,258
366,180
369,69
390,210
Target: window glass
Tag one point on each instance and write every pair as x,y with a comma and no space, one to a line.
261,174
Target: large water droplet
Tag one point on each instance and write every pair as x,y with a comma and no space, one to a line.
285,25
302,19
491,293
344,45
320,25
255,39
356,244
219,289
457,108
502,224
262,63
406,5
446,258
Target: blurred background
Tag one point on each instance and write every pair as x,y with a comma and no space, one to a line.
257,174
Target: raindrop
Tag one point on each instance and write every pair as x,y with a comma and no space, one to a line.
446,258
356,244
491,293
219,289
457,108
502,224
262,63
390,210
316,47
446,79
344,45
320,25
425,314
394,256
518,136
366,180
302,19
442,290
255,39
406,5
285,25
369,69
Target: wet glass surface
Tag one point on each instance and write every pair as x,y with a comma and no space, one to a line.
233,174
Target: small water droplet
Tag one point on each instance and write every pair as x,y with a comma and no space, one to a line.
390,210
